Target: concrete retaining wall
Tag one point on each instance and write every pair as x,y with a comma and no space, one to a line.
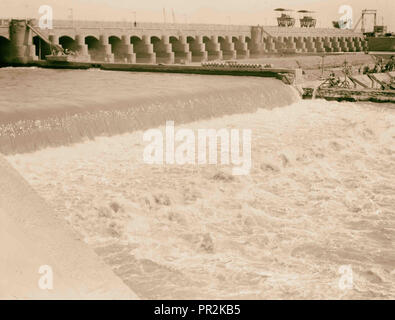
32,235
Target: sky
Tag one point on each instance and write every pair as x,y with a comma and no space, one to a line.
246,12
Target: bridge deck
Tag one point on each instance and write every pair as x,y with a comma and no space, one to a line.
312,32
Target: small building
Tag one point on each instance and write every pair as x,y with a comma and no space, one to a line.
285,18
307,19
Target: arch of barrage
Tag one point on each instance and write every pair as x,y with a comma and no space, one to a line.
169,43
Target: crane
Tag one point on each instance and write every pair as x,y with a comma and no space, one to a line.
57,47
362,18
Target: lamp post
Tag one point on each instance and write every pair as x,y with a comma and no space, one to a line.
322,67
135,17
71,16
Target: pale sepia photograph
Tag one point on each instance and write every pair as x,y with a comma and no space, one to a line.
197,150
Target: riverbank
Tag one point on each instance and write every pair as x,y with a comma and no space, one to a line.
310,64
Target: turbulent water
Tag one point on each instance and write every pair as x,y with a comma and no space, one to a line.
320,196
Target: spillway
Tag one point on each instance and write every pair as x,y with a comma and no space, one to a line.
59,107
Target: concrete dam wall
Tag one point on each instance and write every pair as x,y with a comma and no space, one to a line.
33,235
168,43
95,103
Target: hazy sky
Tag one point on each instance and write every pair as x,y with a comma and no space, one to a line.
249,12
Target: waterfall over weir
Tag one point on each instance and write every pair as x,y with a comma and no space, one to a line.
47,108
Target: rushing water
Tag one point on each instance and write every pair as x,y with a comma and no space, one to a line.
320,195
40,108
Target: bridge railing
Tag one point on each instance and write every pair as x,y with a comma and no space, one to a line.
147,25
4,22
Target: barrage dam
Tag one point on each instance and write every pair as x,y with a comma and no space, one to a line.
127,42
49,108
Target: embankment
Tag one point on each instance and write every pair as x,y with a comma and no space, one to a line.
33,235
312,65
311,62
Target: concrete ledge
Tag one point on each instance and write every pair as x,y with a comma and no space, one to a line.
277,73
242,71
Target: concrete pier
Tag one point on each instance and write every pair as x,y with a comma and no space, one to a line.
144,49
104,52
21,42
198,49
213,48
227,47
180,47
241,47
163,49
